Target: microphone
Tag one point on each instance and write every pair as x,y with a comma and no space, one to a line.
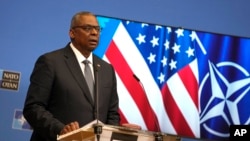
97,126
98,66
158,136
136,78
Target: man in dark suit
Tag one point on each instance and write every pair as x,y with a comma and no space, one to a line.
58,99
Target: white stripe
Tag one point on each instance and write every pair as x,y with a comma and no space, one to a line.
127,104
194,67
199,43
139,67
184,103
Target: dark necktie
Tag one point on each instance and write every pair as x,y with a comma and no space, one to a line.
89,77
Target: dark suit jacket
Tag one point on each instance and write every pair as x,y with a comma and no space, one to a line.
58,94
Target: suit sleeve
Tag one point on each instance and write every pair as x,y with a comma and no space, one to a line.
37,99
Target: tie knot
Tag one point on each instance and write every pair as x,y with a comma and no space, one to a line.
86,62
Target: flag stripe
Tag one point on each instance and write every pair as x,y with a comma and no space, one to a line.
183,100
132,85
190,83
127,104
138,65
175,114
123,117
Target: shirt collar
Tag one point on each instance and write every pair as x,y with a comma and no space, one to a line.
79,56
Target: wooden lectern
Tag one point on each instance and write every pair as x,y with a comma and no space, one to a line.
115,133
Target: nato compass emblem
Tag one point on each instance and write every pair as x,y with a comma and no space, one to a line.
224,94
19,122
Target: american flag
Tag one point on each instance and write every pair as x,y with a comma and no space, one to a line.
160,71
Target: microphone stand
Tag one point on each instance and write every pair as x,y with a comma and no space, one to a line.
158,136
97,126
97,130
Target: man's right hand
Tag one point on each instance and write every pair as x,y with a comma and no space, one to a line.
69,127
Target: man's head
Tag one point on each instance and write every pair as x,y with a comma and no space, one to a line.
84,32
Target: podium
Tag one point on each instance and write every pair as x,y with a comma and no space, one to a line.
115,133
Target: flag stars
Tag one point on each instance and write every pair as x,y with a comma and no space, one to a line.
164,61
161,77
193,35
21,120
166,44
179,32
176,48
151,58
154,41
141,38
169,29
190,52
143,25
158,27
172,64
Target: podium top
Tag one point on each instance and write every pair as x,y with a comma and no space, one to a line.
83,132
87,133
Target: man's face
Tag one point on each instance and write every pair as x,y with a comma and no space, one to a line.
85,33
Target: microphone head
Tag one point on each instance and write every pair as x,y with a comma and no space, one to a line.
136,77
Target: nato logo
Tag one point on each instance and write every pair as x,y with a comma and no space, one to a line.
227,103
9,80
19,122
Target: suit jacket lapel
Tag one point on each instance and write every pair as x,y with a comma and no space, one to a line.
76,72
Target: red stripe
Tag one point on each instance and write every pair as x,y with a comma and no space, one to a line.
191,84
175,115
134,88
123,117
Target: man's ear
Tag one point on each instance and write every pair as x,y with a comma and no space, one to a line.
71,34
